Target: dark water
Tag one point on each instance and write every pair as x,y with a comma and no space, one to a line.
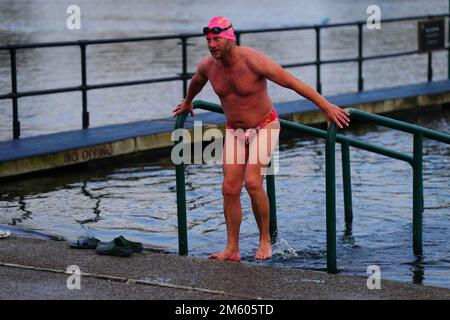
25,21
138,200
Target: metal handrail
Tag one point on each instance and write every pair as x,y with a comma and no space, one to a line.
416,162
331,138
196,35
184,75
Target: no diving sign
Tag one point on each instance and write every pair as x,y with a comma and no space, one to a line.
431,34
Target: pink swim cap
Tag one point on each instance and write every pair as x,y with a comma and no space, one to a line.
223,23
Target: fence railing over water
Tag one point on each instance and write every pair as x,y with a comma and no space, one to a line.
184,75
331,137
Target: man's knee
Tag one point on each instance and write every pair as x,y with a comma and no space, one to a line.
231,189
253,185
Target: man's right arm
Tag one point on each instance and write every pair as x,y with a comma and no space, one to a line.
197,83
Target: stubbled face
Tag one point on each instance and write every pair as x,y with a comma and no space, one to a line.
218,46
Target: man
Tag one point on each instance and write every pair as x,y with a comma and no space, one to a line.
239,77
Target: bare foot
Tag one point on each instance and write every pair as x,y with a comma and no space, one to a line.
230,256
264,252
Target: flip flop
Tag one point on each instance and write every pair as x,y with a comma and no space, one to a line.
4,234
135,246
115,247
83,243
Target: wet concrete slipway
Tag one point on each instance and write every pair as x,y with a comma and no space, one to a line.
33,268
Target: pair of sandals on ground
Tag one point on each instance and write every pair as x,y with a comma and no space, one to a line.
119,247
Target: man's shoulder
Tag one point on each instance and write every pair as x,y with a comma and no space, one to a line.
205,63
253,57
250,52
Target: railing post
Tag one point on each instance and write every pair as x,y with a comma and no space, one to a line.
347,183
15,111
448,58
360,57
270,181
184,66
181,210
331,197
430,67
318,62
238,38
181,197
85,113
417,193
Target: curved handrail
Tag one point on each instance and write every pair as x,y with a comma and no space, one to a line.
399,125
331,136
416,163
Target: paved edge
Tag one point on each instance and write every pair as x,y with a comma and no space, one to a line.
38,269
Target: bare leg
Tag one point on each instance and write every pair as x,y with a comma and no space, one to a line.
254,176
231,190
260,206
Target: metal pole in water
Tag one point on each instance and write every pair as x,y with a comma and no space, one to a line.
347,183
181,209
181,196
330,171
270,181
417,193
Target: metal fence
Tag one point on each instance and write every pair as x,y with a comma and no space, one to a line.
184,75
331,136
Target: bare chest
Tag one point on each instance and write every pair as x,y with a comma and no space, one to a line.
238,80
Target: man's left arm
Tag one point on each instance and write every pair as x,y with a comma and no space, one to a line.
274,72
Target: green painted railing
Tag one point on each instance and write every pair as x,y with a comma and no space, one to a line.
415,161
331,136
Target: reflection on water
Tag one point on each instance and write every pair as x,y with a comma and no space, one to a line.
418,270
138,200
96,210
23,216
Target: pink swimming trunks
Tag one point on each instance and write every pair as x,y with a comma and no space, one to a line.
248,134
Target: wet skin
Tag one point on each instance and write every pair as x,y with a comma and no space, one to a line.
239,77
